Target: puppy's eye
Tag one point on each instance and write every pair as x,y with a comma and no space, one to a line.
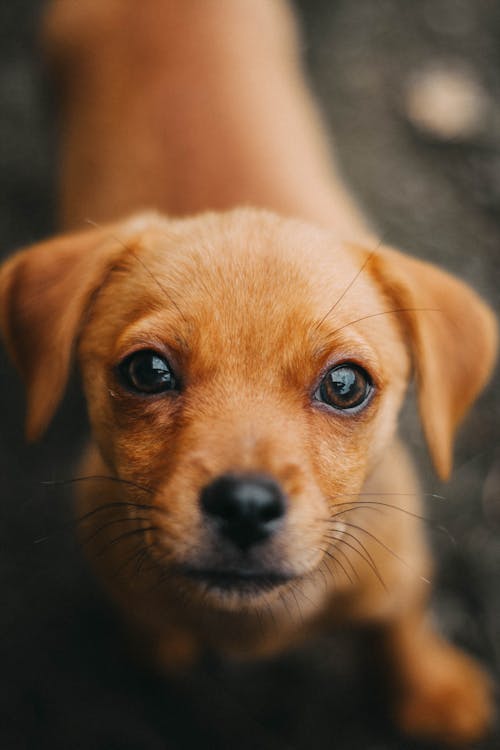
345,387
147,372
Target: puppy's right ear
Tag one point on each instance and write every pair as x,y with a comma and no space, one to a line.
44,293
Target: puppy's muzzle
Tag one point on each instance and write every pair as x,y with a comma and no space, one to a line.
246,509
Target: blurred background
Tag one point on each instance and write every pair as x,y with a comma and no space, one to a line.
410,92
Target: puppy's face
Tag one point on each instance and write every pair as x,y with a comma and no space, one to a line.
243,375
229,368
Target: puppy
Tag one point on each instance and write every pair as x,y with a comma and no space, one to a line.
243,369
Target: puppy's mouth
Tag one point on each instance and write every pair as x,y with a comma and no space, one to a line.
236,581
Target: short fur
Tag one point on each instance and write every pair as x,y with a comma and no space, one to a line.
251,308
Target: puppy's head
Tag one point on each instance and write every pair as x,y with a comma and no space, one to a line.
246,373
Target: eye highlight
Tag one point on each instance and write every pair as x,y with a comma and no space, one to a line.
345,387
148,372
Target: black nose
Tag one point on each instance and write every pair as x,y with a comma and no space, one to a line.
247,508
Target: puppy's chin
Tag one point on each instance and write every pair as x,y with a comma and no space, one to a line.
235,589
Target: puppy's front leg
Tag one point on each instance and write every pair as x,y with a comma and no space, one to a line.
175,652
440,692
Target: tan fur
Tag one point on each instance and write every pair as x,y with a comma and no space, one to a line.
250,308
185,107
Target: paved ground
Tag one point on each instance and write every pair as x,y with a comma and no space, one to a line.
65,681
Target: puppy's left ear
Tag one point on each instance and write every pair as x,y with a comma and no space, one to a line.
44,293
452,335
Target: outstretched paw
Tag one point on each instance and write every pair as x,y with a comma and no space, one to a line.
448,698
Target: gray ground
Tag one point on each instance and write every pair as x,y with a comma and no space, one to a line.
66,681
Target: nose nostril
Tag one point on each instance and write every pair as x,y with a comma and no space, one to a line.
246,507
219,504
271,510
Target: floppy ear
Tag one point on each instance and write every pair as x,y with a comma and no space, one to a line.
44,292
452,335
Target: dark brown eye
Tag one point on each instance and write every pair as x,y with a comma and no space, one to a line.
147,371
345,387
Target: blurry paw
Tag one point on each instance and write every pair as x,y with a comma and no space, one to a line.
448,698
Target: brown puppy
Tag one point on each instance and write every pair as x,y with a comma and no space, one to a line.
243,371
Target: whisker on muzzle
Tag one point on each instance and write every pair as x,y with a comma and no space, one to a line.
326,551
352,505
385,546
126,535
95,477
361,551
113,522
